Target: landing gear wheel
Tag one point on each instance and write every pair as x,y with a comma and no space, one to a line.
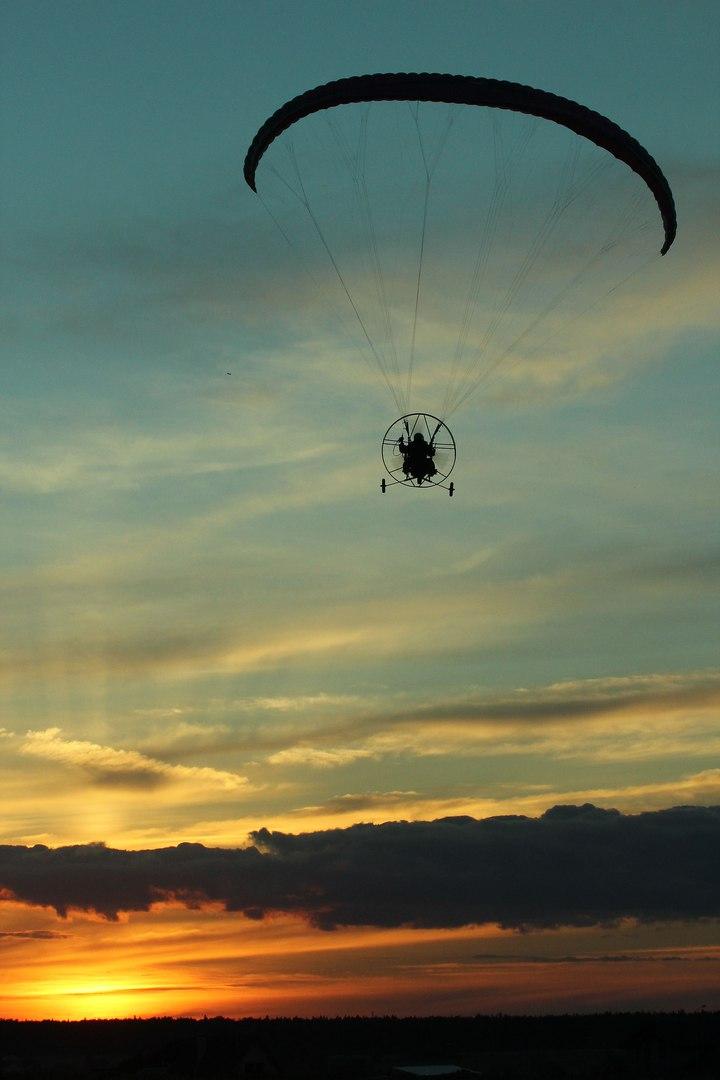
383,485
451,489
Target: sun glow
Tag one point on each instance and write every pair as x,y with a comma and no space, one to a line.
81,1000
171,961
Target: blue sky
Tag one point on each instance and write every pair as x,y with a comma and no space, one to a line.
212,620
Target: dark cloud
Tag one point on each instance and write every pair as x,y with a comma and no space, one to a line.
32,935
128,990
587,700
701,565
137,652
575,865
130,779
597,958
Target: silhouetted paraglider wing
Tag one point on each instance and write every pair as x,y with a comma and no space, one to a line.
472,90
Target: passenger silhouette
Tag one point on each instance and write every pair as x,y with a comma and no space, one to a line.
418,457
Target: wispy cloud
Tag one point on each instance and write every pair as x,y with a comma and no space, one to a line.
107,767
114,459
303,702
318,758
384,801
612,713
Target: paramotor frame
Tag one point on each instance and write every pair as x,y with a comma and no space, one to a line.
436,434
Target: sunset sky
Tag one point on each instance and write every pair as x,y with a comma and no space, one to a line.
217,633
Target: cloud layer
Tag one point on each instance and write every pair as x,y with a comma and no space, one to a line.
574,866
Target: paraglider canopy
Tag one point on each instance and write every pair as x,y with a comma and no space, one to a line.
472,90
